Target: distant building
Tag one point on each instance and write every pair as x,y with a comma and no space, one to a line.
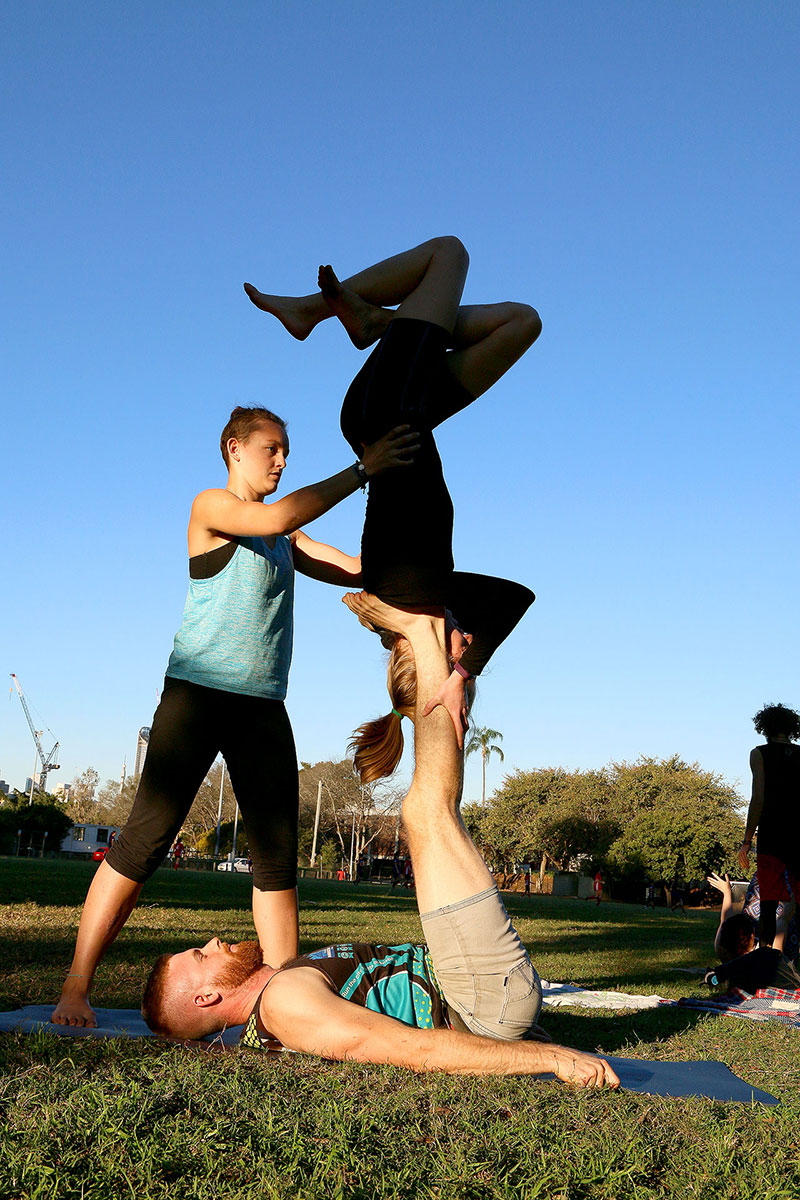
141,749
5,788
63,791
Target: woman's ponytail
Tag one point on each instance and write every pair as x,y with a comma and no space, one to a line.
377,746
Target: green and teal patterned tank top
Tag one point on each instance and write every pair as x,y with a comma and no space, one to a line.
398,981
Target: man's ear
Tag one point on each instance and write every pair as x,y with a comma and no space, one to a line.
207,998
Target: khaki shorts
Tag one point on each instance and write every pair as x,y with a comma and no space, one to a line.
482,967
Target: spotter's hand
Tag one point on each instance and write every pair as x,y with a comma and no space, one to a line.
452,695
395,449
744,857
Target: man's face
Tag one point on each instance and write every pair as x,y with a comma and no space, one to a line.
217,965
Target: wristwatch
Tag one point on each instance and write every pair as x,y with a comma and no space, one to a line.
360,472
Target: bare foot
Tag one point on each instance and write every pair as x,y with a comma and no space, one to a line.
297,314
74,1012
363,321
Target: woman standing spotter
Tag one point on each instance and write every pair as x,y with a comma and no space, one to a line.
225,685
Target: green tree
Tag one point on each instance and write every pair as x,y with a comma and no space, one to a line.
666,809
35,820
550,815
483,739
206,842
82,804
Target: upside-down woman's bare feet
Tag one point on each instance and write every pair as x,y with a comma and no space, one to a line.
364,322
297,314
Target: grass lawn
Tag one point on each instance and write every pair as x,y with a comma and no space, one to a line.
90,1119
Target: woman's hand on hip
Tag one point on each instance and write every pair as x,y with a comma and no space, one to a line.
452,695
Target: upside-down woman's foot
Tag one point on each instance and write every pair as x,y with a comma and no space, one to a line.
297,314
364,322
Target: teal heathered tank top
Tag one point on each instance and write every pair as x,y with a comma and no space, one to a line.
237,627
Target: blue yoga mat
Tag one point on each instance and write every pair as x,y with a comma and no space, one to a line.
710,1079
704,1078
111,1022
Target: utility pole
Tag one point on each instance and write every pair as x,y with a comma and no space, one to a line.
316,825
235,832
219,809
352,844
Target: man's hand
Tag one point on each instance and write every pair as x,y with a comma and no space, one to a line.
452,695
744,856
395,449
722,885
74,1010
583,1070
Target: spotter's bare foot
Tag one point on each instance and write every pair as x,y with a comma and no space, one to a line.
364,322
297,314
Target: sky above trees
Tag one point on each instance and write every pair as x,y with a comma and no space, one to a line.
628,169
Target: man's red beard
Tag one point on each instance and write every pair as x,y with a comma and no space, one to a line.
246,958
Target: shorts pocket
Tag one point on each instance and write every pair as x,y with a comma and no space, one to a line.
521,998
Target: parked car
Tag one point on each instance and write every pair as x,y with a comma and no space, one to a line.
100,853
238,864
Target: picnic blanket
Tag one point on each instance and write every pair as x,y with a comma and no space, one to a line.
766,1004
562,995
711,1079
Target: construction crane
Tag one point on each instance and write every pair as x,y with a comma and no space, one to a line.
47,760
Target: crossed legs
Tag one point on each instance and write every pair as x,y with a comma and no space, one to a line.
426,282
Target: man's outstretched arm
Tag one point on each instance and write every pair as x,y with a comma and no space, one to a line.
300,1008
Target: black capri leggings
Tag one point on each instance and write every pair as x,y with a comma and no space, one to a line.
191,725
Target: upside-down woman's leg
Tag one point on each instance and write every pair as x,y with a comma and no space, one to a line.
386,283
489,339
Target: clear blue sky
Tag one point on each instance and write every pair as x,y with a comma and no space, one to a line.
629,169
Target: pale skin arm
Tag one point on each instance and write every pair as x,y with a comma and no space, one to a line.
325,563
221,512
301,1009
755,809
723,885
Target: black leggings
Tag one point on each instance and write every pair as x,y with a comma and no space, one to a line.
406,546
191,725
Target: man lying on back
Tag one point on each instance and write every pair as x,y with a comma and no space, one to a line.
466,1002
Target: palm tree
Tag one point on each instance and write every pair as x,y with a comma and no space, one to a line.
483,740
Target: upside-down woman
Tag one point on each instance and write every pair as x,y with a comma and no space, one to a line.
433,357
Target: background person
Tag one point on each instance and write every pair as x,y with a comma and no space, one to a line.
775,813
393,1004
225,686
732,934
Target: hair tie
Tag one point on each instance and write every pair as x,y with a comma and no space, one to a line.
397,714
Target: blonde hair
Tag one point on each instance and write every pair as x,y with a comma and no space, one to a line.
377,746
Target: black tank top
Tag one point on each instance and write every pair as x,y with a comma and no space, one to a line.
779,827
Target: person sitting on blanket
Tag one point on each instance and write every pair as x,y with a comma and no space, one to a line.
747,965
466,1002
726,939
